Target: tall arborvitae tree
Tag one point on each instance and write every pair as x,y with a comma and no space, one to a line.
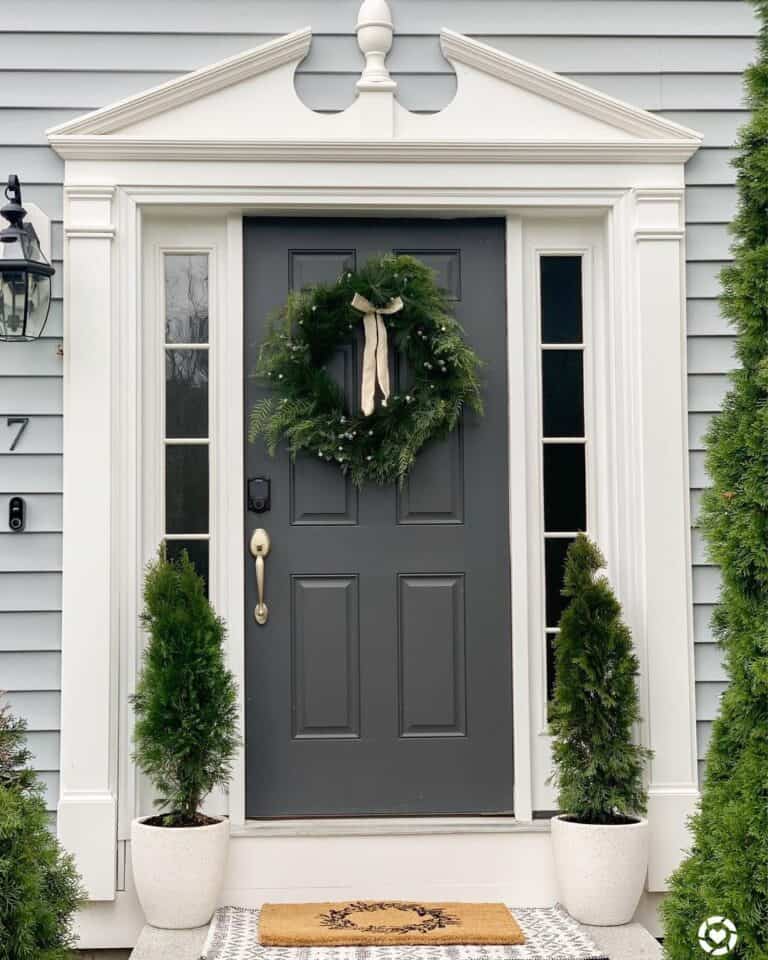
726,873
597,768
186,698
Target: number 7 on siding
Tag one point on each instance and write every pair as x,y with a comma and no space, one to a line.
21,423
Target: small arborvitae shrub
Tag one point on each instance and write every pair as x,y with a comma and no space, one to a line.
598,768
39,886
14,755
726,871
186,698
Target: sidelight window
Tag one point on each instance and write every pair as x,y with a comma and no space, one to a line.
564,443
186,434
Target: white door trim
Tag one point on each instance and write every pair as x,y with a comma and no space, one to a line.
660,211
220,236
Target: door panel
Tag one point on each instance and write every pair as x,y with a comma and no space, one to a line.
325,657
432,656
434,490
381,683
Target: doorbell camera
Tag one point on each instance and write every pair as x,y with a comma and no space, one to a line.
16,514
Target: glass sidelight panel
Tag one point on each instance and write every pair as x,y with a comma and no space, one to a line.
197,550
186,439
564,443
186,298
186,393
562,376
565,500
555,549
561,299
186,489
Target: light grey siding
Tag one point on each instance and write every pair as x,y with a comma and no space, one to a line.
682,58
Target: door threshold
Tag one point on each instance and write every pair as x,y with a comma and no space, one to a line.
386,826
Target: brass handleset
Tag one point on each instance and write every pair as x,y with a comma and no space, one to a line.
260,546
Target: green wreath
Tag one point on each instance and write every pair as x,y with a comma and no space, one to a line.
309,410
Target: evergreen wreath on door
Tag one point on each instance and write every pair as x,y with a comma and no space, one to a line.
396,299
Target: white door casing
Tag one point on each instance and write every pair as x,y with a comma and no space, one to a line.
178,166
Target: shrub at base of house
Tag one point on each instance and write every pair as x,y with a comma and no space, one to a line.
39,886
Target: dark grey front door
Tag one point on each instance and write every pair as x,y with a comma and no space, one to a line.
381,684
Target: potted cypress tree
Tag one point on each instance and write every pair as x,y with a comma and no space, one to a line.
39,886
600,840
185,739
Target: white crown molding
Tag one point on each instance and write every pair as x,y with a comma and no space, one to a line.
191,86
376,151
569,93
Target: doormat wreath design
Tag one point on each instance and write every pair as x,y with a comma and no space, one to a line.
550,934
386,922
430,918
396,299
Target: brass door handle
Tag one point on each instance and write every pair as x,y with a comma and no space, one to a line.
260,544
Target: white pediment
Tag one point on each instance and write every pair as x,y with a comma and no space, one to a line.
246,107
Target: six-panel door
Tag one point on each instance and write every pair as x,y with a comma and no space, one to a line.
381,682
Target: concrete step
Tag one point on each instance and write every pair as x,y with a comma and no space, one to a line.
630,942
157,944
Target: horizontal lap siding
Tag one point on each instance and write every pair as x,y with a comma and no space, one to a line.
681,58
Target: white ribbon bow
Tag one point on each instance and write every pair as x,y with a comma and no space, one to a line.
375,356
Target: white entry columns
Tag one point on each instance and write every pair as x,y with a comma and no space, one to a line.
668,667
87,820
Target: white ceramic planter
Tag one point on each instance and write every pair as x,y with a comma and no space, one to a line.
600,869
178,872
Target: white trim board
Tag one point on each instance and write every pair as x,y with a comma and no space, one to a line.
361,151
445,164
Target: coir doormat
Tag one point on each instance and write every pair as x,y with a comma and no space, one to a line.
550,934
381,923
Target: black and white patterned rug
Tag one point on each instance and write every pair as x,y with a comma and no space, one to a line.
550,934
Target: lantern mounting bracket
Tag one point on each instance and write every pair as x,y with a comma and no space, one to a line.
13,189
13,211
33,215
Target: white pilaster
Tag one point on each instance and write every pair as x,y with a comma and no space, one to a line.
87,807
667,650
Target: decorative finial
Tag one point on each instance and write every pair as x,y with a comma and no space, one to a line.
374,37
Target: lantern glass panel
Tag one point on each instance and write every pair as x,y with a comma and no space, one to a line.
12,246
39,303
13,290
31,246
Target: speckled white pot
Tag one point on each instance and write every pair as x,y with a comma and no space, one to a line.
600,869
178,872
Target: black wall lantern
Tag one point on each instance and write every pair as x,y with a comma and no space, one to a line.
25,274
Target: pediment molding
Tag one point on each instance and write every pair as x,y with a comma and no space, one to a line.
554,87
375,151
291,48
505,111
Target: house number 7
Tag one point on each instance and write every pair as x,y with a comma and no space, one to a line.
21,423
